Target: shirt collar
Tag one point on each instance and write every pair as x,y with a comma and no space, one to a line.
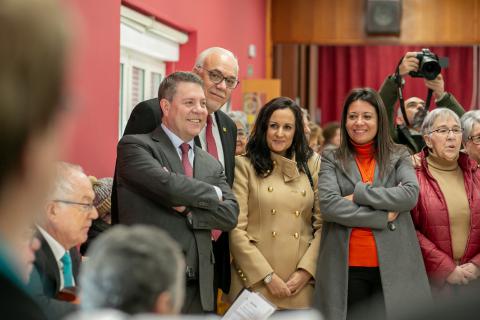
175,139
57,249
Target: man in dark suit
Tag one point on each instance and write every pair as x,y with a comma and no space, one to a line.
34,46
166,180
68,216
218,69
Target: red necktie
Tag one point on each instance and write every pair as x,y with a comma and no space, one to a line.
212,149
211,145
187,167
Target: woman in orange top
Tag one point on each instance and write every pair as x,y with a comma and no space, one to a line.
369,253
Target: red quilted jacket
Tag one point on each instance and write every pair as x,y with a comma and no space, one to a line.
430,217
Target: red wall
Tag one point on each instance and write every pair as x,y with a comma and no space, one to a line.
94,83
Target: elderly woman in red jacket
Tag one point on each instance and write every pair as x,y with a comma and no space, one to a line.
447,215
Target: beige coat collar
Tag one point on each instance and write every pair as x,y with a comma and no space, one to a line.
288,167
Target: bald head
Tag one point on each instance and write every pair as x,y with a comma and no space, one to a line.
218,69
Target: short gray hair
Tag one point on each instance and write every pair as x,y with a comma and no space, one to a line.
432,116
218,50
64,184
239,116
129,267
469,119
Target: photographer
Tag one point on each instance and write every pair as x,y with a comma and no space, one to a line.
402,133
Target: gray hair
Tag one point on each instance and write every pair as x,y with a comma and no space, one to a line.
218,50
469,119
438,113
129,267
64,184
239,116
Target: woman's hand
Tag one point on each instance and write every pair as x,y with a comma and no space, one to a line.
457,276
298,280
392,216
471,271
349,197
278,287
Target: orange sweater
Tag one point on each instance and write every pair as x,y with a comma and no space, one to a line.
362,249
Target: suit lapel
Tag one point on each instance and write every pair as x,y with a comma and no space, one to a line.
47,260
198,163
168,150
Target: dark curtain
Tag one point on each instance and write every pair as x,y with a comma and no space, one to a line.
341,68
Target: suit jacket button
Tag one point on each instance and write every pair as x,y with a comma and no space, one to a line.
274,211
274,234
304,193
270,189
297,213
295,235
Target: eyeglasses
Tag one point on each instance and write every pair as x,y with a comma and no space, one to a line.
217,77
445,131
475,139
241,133
85,207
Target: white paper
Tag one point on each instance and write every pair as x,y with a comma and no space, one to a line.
250,306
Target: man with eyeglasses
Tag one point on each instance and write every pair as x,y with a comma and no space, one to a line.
408,132
64,225
218,68
471,134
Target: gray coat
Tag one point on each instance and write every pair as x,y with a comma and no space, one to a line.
401,266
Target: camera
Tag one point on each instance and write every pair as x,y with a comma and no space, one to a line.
429,65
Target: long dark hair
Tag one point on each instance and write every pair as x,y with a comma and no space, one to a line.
257,148
383,142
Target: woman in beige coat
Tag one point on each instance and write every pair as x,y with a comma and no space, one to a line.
276,241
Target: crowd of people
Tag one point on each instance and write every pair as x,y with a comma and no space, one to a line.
365,216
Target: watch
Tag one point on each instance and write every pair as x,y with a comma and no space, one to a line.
268,278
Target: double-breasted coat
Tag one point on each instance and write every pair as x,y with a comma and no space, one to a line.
400,261
278,227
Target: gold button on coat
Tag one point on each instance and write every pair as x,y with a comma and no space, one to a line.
297,213
304,193
295,235
274,211
270,189
274,234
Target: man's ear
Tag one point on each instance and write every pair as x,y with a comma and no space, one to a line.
163,304
51,211
165,106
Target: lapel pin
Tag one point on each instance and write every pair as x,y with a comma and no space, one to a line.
224,129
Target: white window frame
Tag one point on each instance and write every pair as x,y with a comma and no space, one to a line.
146,44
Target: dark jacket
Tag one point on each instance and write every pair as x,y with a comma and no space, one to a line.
44,282
431,219
16,303
145,117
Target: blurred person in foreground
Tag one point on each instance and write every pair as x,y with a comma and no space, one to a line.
276,242
447,214
240,119
471,134
35,39
369,255
137,269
